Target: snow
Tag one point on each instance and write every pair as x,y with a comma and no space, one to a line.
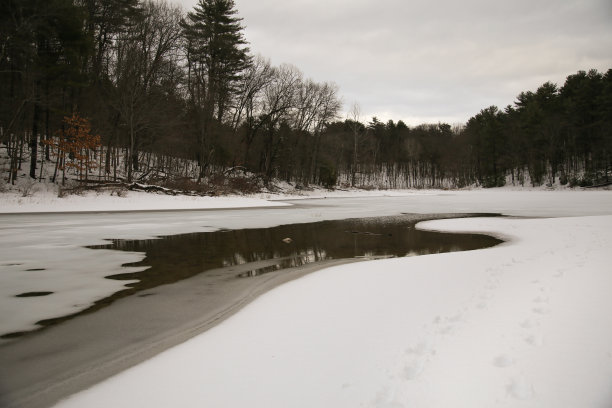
45,252
506,200
48,201
523,324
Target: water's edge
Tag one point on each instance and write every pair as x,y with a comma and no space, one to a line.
39,369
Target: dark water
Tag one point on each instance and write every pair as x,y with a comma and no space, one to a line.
263,250
247,253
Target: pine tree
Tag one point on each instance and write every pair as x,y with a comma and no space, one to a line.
216,45
217,56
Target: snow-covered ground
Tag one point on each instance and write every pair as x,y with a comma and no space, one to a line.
44,199
45,252
522,324
48,201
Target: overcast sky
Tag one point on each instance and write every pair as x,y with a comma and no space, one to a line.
425,61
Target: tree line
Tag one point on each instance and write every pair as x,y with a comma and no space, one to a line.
159,95
555,134
158,86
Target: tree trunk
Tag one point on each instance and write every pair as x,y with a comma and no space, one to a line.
34,135
130,153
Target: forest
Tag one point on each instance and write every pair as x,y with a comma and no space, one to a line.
98,91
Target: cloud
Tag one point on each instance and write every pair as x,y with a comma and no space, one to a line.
431,60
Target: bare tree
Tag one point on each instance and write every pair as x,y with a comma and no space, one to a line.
257,76
249,101
146,57
278,100
354,117
325,109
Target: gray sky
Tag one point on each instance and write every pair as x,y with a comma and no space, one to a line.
425,61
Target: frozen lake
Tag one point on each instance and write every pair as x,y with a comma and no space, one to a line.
187,283
44,253
47,253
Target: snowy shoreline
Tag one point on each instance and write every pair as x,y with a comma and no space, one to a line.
40,243
61,235
509,326
47,201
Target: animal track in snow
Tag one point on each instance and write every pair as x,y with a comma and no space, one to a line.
446,330
540,299
535,339
418,356
528,324
420,349
455,318
490,286
503,360
386,399
413,369
447,325
540,310
520,388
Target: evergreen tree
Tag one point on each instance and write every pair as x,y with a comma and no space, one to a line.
215,43
485,130
217,56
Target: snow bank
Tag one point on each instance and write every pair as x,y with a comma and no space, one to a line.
44,198
44,252
522,324
48,201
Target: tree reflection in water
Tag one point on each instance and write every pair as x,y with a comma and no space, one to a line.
226,255
262,250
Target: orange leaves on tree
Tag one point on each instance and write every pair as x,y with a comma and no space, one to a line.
74,143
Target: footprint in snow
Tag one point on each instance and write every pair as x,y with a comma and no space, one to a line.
413,369
448,329
528,324
540,299
520,388
420,349
418,356
503,360
455,318
386,399
540,310
390,404
558,274
535,340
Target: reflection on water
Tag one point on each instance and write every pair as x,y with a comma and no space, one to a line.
263,250
223,256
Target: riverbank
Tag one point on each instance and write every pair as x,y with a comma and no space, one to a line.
45,252
40,369
42,244
43,198
522,324
79,351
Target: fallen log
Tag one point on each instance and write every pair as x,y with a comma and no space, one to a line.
149,188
